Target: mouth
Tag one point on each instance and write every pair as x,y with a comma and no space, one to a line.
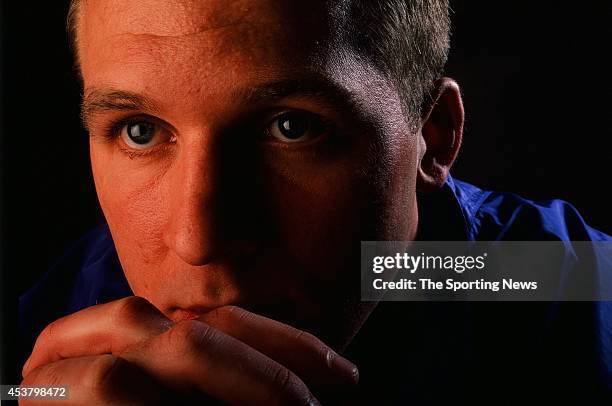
284,311
190,313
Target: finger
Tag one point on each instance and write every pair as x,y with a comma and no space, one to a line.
96,380
314,362
195,356
100,329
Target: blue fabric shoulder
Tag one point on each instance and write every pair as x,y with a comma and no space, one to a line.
494,216
87,274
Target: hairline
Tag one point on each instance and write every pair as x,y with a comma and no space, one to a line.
414,84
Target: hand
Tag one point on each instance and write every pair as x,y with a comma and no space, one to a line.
127,351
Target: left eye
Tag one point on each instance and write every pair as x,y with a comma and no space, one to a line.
296,127
143,134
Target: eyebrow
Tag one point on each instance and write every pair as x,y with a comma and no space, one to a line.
97,100
312,86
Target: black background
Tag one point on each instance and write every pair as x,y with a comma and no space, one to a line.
534,81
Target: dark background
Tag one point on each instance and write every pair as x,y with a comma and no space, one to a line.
534,80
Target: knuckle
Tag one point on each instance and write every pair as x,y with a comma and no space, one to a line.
187,336
101,370
104,376
52,328
44,375
290,388
49,332
131,309
114,380
283,379
307,340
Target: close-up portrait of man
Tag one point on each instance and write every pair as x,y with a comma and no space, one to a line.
241,151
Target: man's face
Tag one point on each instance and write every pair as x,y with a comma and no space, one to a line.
240,156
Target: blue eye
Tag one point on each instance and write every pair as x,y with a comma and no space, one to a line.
143,134
296,127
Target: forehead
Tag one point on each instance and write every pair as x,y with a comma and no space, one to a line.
200,50
184,17
153,34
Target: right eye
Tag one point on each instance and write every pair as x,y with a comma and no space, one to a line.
143,135
296,126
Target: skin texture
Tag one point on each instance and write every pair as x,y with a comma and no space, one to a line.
220,215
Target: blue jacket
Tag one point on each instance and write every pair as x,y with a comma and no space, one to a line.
568,343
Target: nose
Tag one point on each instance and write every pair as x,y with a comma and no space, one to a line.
194,231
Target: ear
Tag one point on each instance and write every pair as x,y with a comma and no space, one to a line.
440,136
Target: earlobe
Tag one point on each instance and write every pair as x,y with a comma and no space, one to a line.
441,134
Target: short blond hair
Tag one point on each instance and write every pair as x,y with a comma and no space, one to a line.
407,41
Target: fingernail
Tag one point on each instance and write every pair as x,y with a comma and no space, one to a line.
313,401
349,370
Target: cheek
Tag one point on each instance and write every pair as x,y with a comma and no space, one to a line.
324,207
314,212
131,196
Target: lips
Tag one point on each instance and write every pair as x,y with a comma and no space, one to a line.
188,314
284,311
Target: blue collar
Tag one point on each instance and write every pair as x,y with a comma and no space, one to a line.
449,214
